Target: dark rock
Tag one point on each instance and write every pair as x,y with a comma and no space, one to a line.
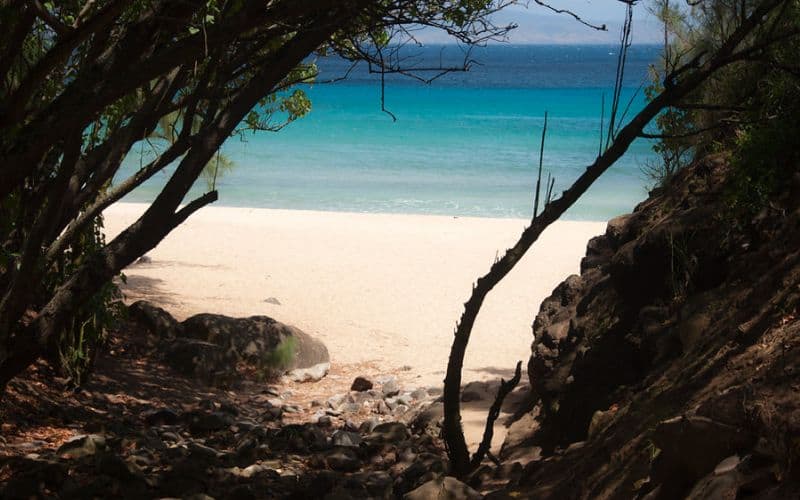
342,459
33,478
163,416
692,447
155,320
361,384
204,361
253,339
201,422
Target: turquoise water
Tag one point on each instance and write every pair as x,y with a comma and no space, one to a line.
466,144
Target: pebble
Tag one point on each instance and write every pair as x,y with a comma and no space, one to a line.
361,384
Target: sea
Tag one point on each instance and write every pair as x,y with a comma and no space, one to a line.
465,144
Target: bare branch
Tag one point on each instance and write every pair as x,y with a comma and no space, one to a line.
598,27
494,412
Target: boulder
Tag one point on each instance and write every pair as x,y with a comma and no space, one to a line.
258,340
155,320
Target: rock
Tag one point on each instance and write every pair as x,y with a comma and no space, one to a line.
114,466
257,340
345,438
81,446
201,451
361,384
163,416
444,488
342,459
401,410
336,401
273,301
33,479
203,361
155,320
419,394
477,391
201,422
600,420
378,484
381,408
368,425
691,447
390,388
312,374
429,420
389,432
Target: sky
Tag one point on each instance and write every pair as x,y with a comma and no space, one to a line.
538,25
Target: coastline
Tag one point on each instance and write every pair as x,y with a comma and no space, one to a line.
383,289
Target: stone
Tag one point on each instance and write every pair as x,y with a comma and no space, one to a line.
390,388
342,459
201,422
401,410
336,401
255,338
155,320
419,394
692,446
389,432
202,451
162,416
429,420
444,488
346,438
368,425
311,374
82,446
361,384
203,361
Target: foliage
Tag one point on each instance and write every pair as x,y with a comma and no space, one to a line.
749,108
86,332
83,83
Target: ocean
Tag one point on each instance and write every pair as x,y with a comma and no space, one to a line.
466,144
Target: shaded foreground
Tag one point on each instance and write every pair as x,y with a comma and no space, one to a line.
139,429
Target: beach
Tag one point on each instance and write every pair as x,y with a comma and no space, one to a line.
378,289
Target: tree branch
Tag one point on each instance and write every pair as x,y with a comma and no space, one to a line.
494,412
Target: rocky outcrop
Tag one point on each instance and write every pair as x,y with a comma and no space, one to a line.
669,366
219,350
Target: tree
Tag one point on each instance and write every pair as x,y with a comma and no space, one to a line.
83,81
751,29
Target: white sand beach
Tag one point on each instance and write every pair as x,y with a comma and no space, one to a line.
381,289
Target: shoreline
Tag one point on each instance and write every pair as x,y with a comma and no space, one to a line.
141,205
374,287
